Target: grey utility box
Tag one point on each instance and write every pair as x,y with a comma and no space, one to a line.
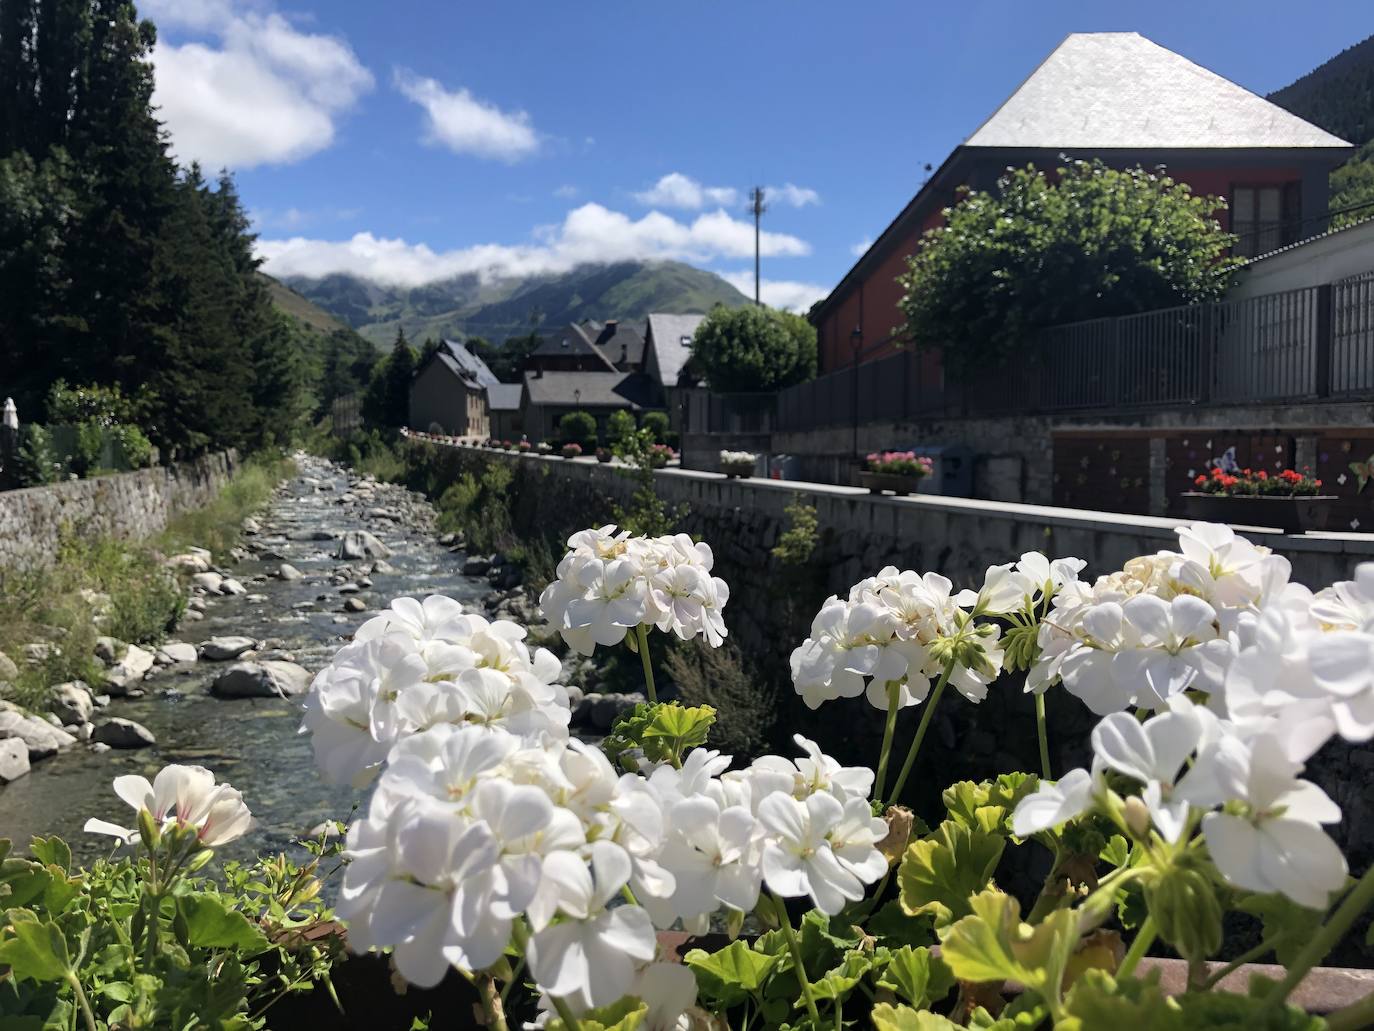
952,475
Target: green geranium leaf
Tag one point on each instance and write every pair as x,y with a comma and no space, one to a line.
685,728
1184,903
918,976
939,873
891,924
992,944
210,924
1222,1011
625,1015
1097,1000
839,982
52,851
34,949
1117,851
887,1017
987,806
727,977
22,881
1290,925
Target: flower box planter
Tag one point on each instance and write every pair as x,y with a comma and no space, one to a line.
1289,514
899,485
738,472
604,457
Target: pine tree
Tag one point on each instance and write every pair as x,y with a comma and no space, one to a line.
399,373
18,72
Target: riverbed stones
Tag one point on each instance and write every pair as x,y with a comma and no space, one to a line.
223,649
40,737
252,527
272,678
8,670
132,667
14,760
476,565
354,604
38,652
107,650
173,652
190,562
286,571
118,732
231,586
209,582
71,703
358,544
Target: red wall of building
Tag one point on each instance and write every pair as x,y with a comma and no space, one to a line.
871,302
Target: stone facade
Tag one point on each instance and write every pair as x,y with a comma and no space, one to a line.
131,505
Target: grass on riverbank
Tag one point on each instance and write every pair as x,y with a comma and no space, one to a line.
106,586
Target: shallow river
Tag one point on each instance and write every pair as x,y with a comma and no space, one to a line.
253,743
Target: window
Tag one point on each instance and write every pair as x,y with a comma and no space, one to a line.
1264,218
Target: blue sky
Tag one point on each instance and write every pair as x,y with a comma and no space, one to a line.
411,140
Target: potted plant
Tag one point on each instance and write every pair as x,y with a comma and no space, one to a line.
603,454
1289,500
737,464
544,447
523,446
660,455
898,471
572,449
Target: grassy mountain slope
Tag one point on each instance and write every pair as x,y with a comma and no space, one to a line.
308,316
1339,97
465,306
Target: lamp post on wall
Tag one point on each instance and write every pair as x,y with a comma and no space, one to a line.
856,343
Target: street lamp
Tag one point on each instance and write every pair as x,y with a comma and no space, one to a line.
577,399
856,343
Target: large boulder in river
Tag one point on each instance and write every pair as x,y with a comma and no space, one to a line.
71,703
129,670
273,678
173,652
40,737
361,544
122,733
14,760
222,649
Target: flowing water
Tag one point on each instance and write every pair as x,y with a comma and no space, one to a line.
251,742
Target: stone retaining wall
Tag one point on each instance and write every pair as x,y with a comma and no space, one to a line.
131,505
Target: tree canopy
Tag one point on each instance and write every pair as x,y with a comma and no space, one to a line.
1085,242
749,349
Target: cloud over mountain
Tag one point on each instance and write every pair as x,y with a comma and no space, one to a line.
465,124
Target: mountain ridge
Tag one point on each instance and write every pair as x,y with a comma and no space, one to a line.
467,305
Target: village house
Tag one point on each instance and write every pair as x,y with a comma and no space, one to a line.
450,392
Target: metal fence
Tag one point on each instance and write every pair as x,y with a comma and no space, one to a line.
1299,346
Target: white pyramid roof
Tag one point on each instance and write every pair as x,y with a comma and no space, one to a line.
1120,90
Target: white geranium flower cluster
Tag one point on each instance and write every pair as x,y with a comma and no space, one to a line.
610,583
476,836
424,663
183,797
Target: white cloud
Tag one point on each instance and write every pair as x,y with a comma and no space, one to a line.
789,193
788,294
588,234
676,190
299,218
466,125
566,192
861,248
261,92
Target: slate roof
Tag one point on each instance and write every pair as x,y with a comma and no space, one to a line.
504,397
617,339
596,389
1121,90
471,369
570,340
669,337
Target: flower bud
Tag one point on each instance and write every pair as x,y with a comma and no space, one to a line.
1137,816
200,859
1184,906
147,830
899,822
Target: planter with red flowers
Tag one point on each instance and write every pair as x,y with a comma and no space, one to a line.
1289,500
572,450
604,454
898,471
660,455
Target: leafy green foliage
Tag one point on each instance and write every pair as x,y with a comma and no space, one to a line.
1084,242
648,514
717,677
942,872
797,543
625,1015
917,976
577,428
1183,901
726,978
619,425
386,403
657,424
987,806
659,733
743,350
479,507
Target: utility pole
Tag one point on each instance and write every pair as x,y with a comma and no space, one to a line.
757,206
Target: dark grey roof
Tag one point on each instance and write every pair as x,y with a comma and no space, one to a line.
471,369
590,389
670,337
1103,90
620,342
504,397
570,340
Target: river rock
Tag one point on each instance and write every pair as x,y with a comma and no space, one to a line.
476,565
311,535
361,544
349,588
71,703
270,679
39,737
208,582
447,539
252,527
129,670
193,615
107,650
382,566
121,733
38,652
222,649
14,760
354,604
177,651
231,586
8,670
286,571
190,562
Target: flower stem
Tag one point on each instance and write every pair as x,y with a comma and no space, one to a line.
889,729
931,702
82,1001
642,635
564,1014
492,1009
1144,938
1356,1015
1044,736
795,948
1331,932
1248,956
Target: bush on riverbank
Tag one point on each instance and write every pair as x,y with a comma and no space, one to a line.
218,526
367,452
